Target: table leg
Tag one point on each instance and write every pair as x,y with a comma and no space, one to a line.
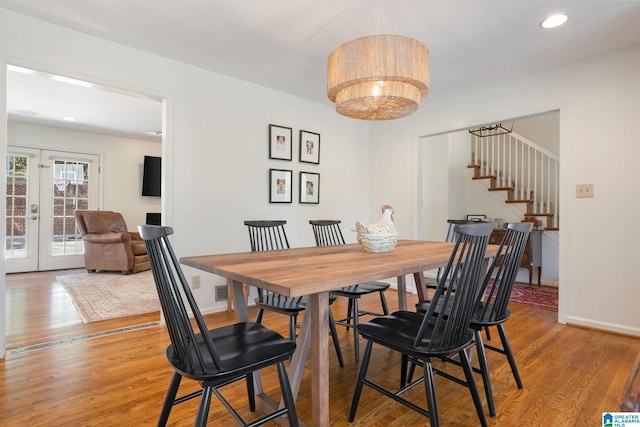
239,302
242,315
303,342
319,309
421,286
402,293
299,358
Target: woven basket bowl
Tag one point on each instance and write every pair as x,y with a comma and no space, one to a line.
382,242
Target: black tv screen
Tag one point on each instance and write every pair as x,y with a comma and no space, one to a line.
151,176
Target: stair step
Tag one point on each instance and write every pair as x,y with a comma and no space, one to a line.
529,216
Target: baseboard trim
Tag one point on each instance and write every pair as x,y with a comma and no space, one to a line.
603,326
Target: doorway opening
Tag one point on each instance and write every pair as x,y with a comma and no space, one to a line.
443,176
94,162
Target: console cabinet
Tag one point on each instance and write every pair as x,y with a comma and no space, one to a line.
532,257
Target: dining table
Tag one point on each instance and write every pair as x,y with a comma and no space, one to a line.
315,272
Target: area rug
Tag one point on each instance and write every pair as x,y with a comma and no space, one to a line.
533,296
104,295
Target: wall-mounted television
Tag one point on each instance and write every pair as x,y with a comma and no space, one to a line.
151,176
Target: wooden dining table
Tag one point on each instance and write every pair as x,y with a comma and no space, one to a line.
316,271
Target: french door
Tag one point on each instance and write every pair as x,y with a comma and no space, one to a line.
44,187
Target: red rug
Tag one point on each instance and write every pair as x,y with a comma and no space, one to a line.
534,297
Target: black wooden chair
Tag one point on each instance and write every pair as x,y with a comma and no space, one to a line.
422,338
432,283
491,308
213,357
268,236
328,233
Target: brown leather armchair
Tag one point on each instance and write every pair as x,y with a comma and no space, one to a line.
108,245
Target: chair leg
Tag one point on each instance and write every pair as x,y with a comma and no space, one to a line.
403,370
407,370
430,388
259,316
471,382
287,395
203,409
383,302
251,393
356,335
292,328
484,368
507,350
349,312
362,373
169,398
336,341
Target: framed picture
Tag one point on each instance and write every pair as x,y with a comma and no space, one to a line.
309,147
280,146
280,186
478,218
309,187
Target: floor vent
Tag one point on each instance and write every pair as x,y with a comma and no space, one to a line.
10,354
221,293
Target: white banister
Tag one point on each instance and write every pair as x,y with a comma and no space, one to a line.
531,170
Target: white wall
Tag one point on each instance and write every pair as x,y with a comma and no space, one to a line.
121,161
215,146
542,129
598,106
434,188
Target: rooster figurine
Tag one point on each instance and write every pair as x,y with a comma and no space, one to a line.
383,226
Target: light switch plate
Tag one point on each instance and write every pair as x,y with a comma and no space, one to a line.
584,190
195,282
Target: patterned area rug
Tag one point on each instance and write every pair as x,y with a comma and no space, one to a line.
105,295
534,296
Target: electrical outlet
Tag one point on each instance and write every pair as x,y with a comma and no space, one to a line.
584,190
195,282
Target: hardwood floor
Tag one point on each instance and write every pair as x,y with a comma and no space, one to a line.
39,310
571,375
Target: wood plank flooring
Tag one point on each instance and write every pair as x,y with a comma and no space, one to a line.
571,375
39,310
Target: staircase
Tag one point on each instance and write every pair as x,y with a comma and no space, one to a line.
526,173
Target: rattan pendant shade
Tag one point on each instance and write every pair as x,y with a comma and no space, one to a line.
379,77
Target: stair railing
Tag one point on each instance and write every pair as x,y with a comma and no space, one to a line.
515,162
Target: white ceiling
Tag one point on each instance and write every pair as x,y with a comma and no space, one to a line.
284,44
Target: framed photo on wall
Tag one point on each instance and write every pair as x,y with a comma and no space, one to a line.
280,183
309,147
280,146
309,187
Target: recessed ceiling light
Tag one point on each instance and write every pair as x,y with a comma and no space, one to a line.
69,119
554,21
